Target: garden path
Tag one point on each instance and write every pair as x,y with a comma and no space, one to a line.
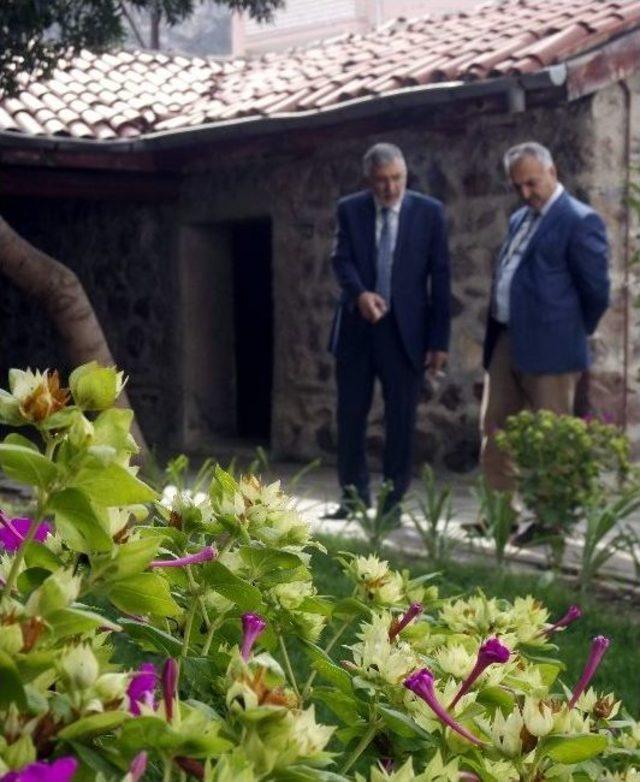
316,492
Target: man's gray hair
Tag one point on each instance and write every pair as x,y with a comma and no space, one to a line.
380,155
528,149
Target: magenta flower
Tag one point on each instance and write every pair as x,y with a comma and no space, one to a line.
206,554
599,646
398,625
170,674
421,683
14,531
142,687
573,612
138,766
252,627
60,770
491,651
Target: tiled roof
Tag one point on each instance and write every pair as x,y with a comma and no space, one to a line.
129,94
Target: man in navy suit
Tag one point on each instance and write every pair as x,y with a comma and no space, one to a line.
550,289
391,260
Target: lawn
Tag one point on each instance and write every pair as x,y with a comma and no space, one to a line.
600,617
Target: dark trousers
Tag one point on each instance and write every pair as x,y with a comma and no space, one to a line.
383,356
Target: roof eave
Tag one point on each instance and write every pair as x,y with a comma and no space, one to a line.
512,88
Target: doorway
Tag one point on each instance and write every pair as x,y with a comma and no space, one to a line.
253,327
227,306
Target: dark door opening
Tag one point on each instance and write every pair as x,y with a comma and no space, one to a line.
253,326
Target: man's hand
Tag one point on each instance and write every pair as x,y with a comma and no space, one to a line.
372,306
435,361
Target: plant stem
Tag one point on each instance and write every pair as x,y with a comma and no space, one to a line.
19,555
334,640
207,641
362,745
43,498
287,665
187,629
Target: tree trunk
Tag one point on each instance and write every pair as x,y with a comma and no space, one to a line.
60,294
154,34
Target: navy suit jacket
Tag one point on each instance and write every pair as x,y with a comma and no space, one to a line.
559,291
420,285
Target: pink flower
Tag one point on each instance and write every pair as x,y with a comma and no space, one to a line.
491,651
599,646
252,627
142,687
205,555
398,625
573,612
421,683
170,674
14,531
138,766
60,770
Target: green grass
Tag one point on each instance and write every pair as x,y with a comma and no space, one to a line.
618,672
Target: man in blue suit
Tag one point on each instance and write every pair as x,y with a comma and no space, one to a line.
391,260
550,289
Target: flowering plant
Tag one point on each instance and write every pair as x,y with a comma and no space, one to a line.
212,592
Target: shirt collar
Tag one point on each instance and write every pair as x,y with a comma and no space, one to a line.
554,197
395,209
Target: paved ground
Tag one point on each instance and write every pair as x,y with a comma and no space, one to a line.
316,492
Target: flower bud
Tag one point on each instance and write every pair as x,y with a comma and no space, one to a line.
57,591
95,387
80,667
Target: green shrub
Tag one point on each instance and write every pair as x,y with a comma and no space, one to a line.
563,465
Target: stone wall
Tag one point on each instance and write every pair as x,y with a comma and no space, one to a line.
124,255
130,257
456,159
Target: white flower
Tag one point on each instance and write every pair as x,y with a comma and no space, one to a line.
506,733
538,717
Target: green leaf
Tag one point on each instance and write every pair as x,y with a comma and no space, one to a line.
131,558
32,578
350,607
496,696
95,761
112,427
11,689
573,749
316,605
18,439
152,638
37,555
266,561
401,724
78,521
327,669
145,593
111,485
344,706
93,725
241,592
74,621
26,465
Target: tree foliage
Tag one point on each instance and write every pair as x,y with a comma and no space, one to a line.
34,34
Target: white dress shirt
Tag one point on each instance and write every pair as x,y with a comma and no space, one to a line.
512,255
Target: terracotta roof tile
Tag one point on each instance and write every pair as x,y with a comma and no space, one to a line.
126,94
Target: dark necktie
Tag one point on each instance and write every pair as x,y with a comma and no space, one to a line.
384,258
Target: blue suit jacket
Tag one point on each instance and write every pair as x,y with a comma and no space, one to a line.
420,286
559,291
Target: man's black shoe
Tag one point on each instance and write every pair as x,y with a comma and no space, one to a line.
341,513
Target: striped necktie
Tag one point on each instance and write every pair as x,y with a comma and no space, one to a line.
384,259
